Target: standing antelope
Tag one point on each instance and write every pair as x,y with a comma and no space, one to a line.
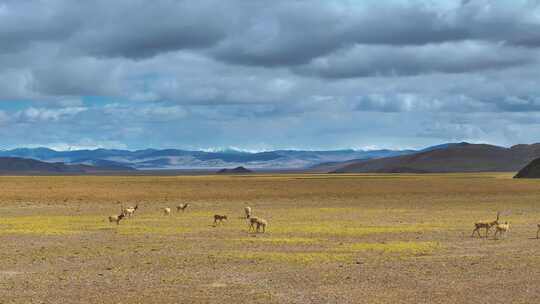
182,207
501,229
166,211
129,211
219,218
538,231
252,222
116,218
261,223
247,211
485,224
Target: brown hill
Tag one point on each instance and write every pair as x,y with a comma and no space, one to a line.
24,165
237,170
332,166
532,170
463,157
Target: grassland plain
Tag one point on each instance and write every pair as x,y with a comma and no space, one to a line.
331,239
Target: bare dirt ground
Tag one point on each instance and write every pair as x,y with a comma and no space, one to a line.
330,239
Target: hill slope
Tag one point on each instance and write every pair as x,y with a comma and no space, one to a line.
237,170
461,157
532,170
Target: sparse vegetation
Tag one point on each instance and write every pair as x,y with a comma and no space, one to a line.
329,234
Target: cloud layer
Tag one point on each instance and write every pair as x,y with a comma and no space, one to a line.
268,74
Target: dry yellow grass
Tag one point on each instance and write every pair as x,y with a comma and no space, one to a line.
348,238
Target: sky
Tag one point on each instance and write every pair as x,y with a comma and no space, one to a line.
260,75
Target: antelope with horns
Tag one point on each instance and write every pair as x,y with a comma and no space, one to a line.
485,225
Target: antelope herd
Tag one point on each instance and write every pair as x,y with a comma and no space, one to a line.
257,224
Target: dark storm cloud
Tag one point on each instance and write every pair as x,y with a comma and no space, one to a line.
277,33
135,29
364,61
23,23
290,34
260,33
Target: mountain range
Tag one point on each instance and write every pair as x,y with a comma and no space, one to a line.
153,159
450,157
25,165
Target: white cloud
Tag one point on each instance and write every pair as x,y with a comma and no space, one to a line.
43,114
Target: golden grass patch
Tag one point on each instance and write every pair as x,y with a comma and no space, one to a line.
50,225
64,225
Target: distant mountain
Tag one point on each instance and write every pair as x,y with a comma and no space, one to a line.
462,157
335,165
449,157
237,170
331,166
24,165
185,159
441,146
532,170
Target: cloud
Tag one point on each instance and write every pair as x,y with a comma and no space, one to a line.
76,77
23,23
44,115
462,57
317,74
148,113
137,29
80,144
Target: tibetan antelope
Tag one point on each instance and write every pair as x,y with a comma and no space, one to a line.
247,211
182,207
252,222
501,229
130,211
538,232
116,218
486,225
261,223
166,211
219,218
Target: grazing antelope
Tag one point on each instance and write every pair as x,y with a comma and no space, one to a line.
501,229
538,232
219,218
166,211
261,223
252,222
485,224
182,207
116,218
130,211
247,211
